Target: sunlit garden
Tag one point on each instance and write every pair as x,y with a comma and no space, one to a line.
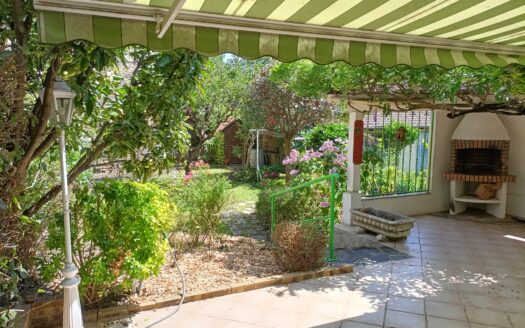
144,175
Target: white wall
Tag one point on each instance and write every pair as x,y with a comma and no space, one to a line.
516,191
438,197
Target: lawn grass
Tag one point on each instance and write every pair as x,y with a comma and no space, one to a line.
245,192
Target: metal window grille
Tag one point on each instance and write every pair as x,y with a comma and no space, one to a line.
397,152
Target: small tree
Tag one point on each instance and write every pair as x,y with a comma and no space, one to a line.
223,92
284,111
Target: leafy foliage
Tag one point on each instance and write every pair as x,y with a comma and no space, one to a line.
214,149
300,205
460,90
11,273
118,232
246,174
299,246
322,132
201,200
396,136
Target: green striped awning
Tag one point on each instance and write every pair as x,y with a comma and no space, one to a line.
448,33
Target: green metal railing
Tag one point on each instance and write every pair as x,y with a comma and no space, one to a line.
331,217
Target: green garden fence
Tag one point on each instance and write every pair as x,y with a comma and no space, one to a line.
331,216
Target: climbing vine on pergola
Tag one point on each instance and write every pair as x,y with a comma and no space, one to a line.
459,91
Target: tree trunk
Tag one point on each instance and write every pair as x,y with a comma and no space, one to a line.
287,146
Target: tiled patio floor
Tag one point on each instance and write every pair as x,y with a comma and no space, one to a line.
462,274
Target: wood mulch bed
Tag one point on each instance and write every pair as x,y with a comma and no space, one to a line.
232,260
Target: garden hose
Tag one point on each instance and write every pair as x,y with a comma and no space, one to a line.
169,315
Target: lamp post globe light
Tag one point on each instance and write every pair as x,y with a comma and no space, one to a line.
62,104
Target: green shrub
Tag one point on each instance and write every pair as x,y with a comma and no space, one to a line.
118,231
295,206
11,273
214,149
315,137
299,246
201,201
246,174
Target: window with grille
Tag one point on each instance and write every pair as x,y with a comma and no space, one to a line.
396,156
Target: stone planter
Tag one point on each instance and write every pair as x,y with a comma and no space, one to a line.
384,223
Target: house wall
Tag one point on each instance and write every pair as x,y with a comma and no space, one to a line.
438,198
516,191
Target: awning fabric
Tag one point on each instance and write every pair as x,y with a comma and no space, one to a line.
448,33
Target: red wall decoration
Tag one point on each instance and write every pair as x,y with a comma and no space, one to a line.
358,142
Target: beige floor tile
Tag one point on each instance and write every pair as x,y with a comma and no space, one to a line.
280,318
319,321
353,324
477,325
433,322
512,305
445,296
491,301
292,303
237,324
369,315
373,287
487,317
328,309
215,308
245,313
197,321
446,310
404,320
405,304
261,297
517,320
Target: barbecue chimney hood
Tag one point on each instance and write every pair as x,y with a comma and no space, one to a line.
481,126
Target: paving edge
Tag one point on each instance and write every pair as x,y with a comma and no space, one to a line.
282,279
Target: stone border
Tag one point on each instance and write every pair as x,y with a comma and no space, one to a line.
283,279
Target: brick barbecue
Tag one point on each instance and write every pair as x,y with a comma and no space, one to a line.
479,161
479,154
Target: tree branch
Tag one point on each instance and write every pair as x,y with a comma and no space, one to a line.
82,165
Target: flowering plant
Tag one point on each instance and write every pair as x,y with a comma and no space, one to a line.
329,158
199,165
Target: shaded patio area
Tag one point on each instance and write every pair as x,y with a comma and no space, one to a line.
463,272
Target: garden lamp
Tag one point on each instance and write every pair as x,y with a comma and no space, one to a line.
62,113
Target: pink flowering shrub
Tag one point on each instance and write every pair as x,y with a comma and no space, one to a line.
199,165
329,158
187,177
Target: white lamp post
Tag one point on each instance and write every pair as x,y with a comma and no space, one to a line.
62,113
